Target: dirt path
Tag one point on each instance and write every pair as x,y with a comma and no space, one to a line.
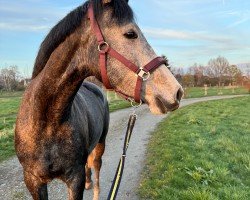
11,179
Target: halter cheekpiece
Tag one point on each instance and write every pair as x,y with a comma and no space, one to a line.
142,73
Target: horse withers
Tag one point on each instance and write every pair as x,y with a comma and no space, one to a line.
61,120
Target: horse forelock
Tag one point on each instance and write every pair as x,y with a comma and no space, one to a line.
121,11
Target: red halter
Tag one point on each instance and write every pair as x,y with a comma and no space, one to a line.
104,49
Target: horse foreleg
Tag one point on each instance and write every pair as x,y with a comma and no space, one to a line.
36,187
97,163
97,167
88,184
76,185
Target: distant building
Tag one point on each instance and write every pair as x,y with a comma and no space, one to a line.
25,82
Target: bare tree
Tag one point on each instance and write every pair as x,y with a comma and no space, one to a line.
234,73
248,70
217,68
9,77
188,80
1,83
177,71
197,70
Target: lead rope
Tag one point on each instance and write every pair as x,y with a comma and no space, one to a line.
119,171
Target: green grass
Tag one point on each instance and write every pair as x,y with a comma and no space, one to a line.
7,144
118,104
195,92
9,106
9,103
201,152
4,94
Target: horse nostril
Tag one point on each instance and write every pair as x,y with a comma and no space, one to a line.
179,94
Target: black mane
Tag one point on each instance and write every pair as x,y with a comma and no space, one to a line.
122,13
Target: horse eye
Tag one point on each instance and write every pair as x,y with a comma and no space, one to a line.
131,35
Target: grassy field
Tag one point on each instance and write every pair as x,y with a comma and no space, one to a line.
201,152
9,103
195,92
4,94
8,108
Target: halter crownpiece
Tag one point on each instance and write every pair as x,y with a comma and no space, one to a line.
142,73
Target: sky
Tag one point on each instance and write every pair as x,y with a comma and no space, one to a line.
186,31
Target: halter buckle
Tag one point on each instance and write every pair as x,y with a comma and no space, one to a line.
143,74
103,47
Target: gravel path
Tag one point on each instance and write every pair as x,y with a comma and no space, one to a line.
11,179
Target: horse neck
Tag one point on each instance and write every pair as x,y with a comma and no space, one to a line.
58,83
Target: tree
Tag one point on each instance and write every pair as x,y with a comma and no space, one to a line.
9,77
188,80
1,83
247,78
197,71
178,72
234,73
217,68
248,70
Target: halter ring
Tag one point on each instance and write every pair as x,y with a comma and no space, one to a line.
132,101
143,74
103,47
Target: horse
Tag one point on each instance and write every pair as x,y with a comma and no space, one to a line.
62,120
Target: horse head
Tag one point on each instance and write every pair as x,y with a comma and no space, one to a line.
161,91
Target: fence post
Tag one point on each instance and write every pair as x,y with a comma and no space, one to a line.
205,89
116,96
108,96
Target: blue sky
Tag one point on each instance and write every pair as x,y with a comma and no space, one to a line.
187,31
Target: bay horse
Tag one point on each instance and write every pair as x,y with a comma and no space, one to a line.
61,119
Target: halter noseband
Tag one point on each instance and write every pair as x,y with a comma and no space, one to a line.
143,73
